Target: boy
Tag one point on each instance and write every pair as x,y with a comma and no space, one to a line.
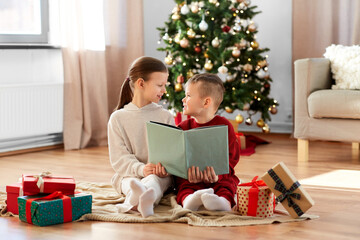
203,95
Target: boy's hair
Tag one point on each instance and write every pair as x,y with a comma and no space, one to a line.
210,86
142,67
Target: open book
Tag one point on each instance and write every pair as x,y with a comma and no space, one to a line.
177,150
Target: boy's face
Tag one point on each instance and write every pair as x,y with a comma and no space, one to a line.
193,103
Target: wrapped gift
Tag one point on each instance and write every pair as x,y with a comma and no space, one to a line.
241,139
255,199
288,190
46,183
54,208
13,192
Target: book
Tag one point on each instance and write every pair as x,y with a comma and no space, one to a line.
178,149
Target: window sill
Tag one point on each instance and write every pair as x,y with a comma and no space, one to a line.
28,46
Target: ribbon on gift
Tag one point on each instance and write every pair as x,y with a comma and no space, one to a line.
67,206
40,179
287,194
253,195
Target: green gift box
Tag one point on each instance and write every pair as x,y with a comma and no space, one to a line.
44,210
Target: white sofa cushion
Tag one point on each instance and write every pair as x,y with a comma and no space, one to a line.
345,65
334,104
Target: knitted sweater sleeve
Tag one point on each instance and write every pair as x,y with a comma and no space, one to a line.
122,160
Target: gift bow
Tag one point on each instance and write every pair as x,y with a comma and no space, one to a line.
40,180
254,183
287,194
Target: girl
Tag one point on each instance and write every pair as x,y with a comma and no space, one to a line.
142,183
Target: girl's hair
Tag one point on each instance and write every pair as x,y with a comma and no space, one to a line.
140,68
210,86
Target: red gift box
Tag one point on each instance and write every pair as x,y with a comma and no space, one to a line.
46,183
13,192
255,199
241,140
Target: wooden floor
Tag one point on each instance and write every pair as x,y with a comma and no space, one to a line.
338,208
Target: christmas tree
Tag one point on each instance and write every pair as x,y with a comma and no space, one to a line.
219,37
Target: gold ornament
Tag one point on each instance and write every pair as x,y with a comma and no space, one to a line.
213,1
184,43
262,63
236,52
195,8
177,38
206,55
178,87
242,43
252,27
175,16
248,67
208,65
248,121
239,118
273,110
254,44
246,106
265,128
191,33
228,109
189,74
260,123
168,60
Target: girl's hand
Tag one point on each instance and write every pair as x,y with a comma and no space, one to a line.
149,169
195,175
160,171
210,176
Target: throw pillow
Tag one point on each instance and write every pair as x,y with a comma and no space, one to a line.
345,65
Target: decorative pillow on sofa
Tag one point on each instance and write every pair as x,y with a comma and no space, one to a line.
345,65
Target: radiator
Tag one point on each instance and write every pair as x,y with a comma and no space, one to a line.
31,115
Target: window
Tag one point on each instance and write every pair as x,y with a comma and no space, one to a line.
24,21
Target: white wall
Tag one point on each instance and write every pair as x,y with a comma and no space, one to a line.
275,33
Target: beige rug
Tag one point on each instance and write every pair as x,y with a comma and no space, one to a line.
104,208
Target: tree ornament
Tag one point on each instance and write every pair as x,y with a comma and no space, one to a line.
261,73
248,67
215,42
198,49
237,28
236,52
265,128
254,44
195,8
252,27
180,79
242,43
262,63
203,25
223,69
168,60
228,109
178,87
260,123
189,74
184,43
273,110
184,9
226,29
246,107
177,38
206,55
266,85
213,1
175,16
166,37
239,118
208,65
191,33
248,121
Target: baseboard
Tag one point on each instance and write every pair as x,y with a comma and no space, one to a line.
29,150
274,128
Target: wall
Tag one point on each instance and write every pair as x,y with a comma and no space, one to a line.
275,32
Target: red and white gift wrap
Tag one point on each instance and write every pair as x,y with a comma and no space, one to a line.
13,192
46,183
255,199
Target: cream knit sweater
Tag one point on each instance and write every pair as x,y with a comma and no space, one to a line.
127,139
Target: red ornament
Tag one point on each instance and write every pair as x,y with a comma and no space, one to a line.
266,85
180,79
226,29
198,49
233,9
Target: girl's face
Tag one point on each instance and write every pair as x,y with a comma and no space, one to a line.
155,86
192,102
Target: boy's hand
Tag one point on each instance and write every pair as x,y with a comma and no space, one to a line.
195,175
210,175
149,169
160,171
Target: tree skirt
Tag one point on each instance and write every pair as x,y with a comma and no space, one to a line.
251,142
105,199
